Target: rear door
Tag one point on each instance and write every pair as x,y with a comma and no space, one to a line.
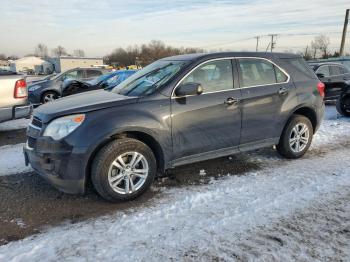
265,88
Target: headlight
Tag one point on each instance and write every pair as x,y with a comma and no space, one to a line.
63,126
33,88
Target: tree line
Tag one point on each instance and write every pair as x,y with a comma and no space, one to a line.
319,48
145,54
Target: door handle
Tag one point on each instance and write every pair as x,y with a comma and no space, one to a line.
231,101
283,91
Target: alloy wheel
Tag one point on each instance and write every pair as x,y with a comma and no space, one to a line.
49,98
299,137
128,172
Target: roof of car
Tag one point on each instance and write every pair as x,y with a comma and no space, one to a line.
196,56
326,63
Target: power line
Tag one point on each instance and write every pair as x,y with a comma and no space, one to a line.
227,43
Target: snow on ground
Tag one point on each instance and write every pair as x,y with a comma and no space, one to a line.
333,127
12,160
14,124
207,218
200,218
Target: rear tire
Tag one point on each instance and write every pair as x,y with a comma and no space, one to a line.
343,105
123,170
296,137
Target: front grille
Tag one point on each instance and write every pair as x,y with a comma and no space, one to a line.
37,122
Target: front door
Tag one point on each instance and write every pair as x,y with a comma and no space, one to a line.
210,121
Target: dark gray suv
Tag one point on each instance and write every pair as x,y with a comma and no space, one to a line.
176,111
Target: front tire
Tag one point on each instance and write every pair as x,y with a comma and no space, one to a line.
343,105
123,170
296,137
49,97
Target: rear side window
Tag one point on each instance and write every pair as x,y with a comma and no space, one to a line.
93,73
255,72
298,68
338,70
324,70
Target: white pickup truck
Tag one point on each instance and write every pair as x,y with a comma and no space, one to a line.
13,96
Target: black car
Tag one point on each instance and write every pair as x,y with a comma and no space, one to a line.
176,111
47,90
336,78
343,103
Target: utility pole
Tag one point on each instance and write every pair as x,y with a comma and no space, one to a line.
273,41
341,53
257,43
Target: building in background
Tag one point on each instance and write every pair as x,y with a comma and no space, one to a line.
32,65
64,63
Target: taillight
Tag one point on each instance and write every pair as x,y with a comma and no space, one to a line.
320,88
20,89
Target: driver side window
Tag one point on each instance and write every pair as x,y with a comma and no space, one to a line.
212,76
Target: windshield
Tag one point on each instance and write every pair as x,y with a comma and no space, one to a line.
149,79
54,77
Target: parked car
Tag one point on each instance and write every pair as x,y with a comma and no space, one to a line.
343,103
336,78
13,96
176,111
107,81
48,90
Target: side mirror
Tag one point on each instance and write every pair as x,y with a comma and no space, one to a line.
320,75
189,89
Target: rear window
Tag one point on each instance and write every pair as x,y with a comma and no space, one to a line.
256,72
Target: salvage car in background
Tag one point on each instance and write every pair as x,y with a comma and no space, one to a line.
343,103
336,78
107,81
13,96
48,90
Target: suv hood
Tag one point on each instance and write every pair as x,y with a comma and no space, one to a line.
81,103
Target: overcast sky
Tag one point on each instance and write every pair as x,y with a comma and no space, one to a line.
99,26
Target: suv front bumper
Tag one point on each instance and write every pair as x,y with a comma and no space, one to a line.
58,163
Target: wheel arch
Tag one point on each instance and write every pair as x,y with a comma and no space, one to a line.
142,136
307,112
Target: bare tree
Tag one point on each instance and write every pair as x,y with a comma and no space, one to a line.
79,53
321,43
59,51
41,50
2,57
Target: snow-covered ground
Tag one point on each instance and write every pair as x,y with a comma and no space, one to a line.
12,160
207,221
14,124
